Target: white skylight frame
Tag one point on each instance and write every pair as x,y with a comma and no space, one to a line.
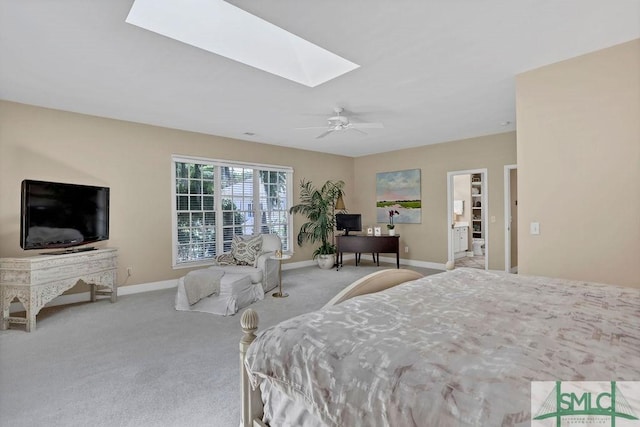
226,30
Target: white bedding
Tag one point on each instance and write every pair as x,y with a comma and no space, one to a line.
458,348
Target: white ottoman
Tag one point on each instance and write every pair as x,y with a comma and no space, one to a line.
236,292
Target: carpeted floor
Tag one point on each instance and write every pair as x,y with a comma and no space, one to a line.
476,261
139,362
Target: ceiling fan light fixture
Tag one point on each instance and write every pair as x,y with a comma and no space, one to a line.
342,123
338,119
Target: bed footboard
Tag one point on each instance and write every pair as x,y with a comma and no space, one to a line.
375,282
251,400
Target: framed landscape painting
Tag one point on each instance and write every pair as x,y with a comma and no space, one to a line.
399,191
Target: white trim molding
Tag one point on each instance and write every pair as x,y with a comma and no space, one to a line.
85,297
507,218
485,211
173,283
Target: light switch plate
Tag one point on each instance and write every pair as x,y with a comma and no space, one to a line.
534,228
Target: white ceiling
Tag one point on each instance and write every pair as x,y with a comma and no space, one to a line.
431,70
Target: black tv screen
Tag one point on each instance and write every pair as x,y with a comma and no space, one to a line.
57,215
348,222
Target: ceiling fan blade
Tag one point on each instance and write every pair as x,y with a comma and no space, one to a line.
358,130
323,134
340,122
366,125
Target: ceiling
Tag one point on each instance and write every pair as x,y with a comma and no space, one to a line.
431,71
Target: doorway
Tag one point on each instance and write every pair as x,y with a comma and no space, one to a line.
511,216
467,213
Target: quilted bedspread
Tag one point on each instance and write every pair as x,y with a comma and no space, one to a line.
453,349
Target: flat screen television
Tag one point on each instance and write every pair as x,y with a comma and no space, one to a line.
349,222
57,215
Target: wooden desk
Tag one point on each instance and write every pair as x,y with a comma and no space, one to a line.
368,244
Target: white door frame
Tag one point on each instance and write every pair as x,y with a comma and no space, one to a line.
507,216
485,216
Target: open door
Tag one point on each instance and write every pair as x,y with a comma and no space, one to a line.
467,219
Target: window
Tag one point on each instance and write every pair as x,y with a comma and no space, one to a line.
214,200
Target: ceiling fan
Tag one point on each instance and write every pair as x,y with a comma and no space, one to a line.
340,123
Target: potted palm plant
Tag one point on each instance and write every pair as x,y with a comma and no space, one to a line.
318,205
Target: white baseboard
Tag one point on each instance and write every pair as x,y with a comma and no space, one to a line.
299,264
415,263
147,287
310,263
173,283
411,262
85,297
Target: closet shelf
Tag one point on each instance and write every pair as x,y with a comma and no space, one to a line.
478,212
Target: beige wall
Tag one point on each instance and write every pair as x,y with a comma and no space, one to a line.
578,156
134,160
579,167
428,241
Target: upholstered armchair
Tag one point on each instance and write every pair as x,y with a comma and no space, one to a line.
251,255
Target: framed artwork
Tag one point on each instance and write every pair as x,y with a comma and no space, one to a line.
377,231
399,191
369,231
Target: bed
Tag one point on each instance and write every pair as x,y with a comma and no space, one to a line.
458,348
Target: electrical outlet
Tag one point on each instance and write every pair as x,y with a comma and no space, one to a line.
406,249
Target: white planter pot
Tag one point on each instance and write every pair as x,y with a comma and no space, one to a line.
326,262
392,231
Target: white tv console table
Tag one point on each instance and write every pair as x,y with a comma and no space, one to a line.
36,280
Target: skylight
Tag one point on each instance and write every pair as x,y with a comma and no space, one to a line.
224,29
